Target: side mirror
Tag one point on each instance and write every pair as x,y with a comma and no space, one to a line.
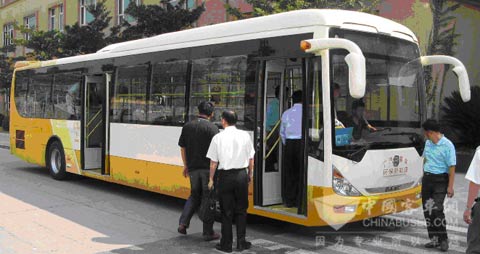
355,61
458,68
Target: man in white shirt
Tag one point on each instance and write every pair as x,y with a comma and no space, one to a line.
232,152
472,211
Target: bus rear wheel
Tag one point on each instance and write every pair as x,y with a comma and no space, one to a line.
56,161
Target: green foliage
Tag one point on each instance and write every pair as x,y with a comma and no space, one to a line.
266,7
442,41
150,20
88,39
45,44
464,118
74,41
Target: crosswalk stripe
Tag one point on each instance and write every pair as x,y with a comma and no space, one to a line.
422,222
349,249
408,238
270,245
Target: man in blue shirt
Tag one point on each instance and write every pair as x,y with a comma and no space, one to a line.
438,177
291,134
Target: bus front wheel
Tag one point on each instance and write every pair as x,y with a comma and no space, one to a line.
56,161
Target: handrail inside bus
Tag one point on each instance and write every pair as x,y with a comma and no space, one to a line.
272,149
272,131
94,117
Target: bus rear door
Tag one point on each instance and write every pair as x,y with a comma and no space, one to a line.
94,123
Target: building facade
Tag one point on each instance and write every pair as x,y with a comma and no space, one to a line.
56,14
415,14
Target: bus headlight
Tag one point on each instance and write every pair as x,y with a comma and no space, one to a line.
342,186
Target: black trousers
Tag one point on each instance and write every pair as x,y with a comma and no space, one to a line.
198,188
232,189
292,171
434,190
473,235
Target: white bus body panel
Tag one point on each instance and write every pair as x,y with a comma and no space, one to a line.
382,169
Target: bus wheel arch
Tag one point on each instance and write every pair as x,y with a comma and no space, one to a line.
55,159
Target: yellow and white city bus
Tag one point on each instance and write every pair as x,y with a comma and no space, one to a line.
116,115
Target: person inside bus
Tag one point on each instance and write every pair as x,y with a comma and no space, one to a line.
273,115
336,95
291,134
358,120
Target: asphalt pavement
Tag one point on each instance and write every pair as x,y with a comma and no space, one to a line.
83,215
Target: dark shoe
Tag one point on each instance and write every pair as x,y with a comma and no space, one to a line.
182,229
431,245
444,245
220,248
244,246
289,205
211,237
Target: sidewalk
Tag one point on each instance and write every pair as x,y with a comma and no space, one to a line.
4,140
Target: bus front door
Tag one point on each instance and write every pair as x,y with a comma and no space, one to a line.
272,146
93,122
283,77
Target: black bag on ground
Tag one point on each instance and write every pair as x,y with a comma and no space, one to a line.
206,211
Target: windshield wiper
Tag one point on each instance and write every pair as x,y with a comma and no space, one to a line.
363,148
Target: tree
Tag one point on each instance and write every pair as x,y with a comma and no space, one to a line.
464,117
442,41
267,7
45,44
75,40
150,20
90,38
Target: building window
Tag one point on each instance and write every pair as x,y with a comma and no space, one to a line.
61,17
85,16
51,19
188,4
122,6
8,34
29,22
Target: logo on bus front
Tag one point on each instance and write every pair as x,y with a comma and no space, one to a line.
395,165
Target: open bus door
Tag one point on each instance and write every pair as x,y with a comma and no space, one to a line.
95,123
281,78
272,145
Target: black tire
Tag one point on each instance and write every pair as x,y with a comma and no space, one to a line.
55,161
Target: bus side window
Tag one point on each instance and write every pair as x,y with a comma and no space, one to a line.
129,102
39,103
167,94
315,119
67,95
224,81
21,86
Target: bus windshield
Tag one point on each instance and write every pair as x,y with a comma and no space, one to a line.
389,114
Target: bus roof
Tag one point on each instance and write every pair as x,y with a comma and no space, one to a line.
260,27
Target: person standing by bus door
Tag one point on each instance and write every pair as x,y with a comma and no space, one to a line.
291,134
194,141
232,151
472,212
438,176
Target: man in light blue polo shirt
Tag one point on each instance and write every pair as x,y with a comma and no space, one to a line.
438,177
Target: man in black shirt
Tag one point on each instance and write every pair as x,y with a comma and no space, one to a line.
194,142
